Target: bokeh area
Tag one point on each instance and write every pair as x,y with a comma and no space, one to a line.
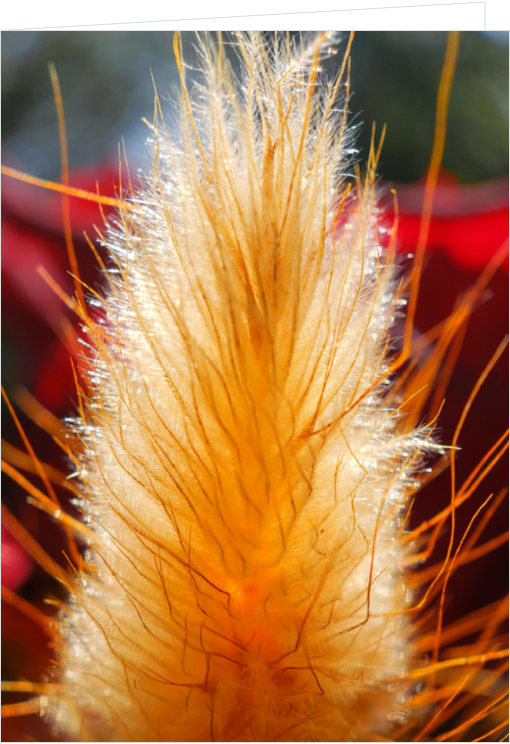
107,88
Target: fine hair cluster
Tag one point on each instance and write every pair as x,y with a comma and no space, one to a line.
246,468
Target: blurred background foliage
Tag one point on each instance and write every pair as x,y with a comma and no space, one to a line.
107,89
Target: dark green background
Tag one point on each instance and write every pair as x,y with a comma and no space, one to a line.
107,88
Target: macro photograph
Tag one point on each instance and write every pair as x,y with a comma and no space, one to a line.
255,386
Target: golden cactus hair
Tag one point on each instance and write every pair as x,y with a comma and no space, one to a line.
246,463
